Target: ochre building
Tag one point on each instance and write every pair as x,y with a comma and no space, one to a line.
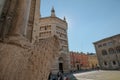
108,52
93,61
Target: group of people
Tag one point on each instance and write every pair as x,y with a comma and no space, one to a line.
60,76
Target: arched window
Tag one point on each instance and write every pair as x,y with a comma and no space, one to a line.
105,63
118,49
111,50
114,62
104,52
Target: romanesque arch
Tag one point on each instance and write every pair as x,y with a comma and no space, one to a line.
111,51
118,49
104,52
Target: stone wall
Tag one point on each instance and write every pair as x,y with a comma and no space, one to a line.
21,60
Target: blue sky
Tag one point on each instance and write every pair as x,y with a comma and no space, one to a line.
88,20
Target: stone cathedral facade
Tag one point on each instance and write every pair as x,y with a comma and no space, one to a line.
49,26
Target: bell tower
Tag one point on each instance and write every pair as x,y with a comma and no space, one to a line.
53,12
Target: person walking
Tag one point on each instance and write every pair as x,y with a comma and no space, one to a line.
59,76
66,77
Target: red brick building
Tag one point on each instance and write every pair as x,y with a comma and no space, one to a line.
79,61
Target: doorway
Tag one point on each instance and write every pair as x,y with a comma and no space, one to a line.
78,67
61,67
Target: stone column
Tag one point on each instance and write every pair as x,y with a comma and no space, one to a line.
4,5
29,27
33,18
14,17
1,5
21,17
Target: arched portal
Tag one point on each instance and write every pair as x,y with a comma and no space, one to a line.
60,64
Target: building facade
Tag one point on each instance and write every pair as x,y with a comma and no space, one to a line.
93,61
79,61
75,61
50,26
108,52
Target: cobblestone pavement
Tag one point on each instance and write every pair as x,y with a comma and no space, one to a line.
96,75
